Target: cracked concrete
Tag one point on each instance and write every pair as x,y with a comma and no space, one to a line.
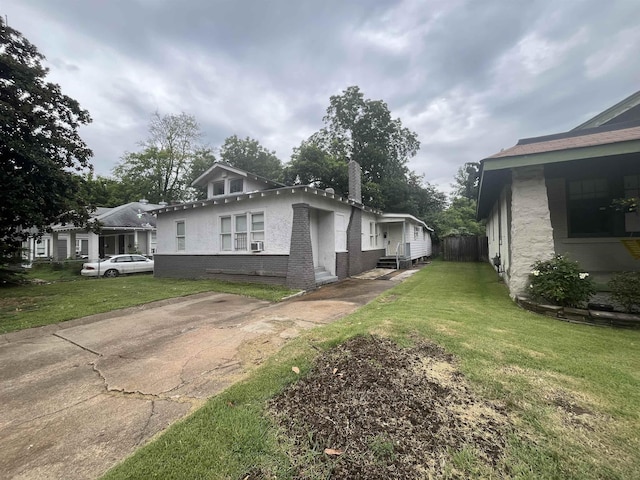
80,396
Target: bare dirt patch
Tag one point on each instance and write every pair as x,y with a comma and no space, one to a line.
385,412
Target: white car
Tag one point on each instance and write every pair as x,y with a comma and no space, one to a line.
117,265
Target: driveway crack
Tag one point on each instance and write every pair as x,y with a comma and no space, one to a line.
87,349
146,425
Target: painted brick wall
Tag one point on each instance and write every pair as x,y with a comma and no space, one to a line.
270,269
354,242
370,259
342,265
300,272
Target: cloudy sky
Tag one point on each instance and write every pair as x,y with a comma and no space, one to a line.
469,76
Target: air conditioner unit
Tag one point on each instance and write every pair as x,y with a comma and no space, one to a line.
257,246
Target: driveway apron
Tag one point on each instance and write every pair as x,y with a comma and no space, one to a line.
80,396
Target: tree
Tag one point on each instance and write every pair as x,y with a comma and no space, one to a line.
247,154
161,170
467,181
100,191
310,165
459,219
362,130
41,150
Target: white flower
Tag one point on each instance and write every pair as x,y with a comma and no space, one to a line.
535,273
583,276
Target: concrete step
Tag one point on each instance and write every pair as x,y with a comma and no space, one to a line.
323,277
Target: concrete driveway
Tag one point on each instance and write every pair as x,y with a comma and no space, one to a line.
78,397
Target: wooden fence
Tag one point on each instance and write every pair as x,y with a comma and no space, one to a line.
465,249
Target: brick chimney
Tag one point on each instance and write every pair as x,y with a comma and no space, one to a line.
355,181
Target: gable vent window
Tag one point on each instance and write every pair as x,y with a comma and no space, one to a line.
218,188
235,185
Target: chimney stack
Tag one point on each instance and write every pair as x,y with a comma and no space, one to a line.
355,181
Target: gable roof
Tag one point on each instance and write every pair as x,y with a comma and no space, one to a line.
615,131
206,177
130,216
620,112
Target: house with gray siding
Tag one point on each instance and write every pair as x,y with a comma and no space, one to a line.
254,229
565,194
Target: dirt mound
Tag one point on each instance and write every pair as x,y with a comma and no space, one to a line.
369,409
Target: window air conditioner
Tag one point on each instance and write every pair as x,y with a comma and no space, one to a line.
257,246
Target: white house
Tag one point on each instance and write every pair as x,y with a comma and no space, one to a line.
557,194
253,229
128,228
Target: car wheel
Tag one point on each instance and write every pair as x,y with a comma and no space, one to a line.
111,273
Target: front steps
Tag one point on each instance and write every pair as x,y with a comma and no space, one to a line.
323,277
387,262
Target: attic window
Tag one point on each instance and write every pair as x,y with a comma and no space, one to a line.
218,188
235,185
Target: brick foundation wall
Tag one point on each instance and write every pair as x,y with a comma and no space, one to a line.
342,265
369,259
269,269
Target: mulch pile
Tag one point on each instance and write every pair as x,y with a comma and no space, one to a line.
369,409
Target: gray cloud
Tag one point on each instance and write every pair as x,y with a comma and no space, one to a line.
469,77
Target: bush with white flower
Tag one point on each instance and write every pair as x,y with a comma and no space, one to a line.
560,281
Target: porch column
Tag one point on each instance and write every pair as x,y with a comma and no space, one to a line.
354,241
135,241
93,247
71,245
531,231
54,246
300,271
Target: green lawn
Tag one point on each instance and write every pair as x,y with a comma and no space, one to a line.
528,362
72,296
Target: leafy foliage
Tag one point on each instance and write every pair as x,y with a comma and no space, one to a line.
467,181
247,154
40,151
162,169
560,281
311,165
363,130
459,219
625,289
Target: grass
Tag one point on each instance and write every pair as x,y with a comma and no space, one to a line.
539,368
71,296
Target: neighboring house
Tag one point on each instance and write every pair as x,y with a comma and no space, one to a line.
253,229
129,228
556,195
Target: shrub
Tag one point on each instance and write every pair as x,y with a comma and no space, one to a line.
625,289
560,281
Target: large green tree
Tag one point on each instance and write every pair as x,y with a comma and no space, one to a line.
459,218
162,170
40,148
363,130
467,181
247,154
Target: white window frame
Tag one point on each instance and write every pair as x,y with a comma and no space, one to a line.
241,180
181,239
213,187
234,236
373,234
